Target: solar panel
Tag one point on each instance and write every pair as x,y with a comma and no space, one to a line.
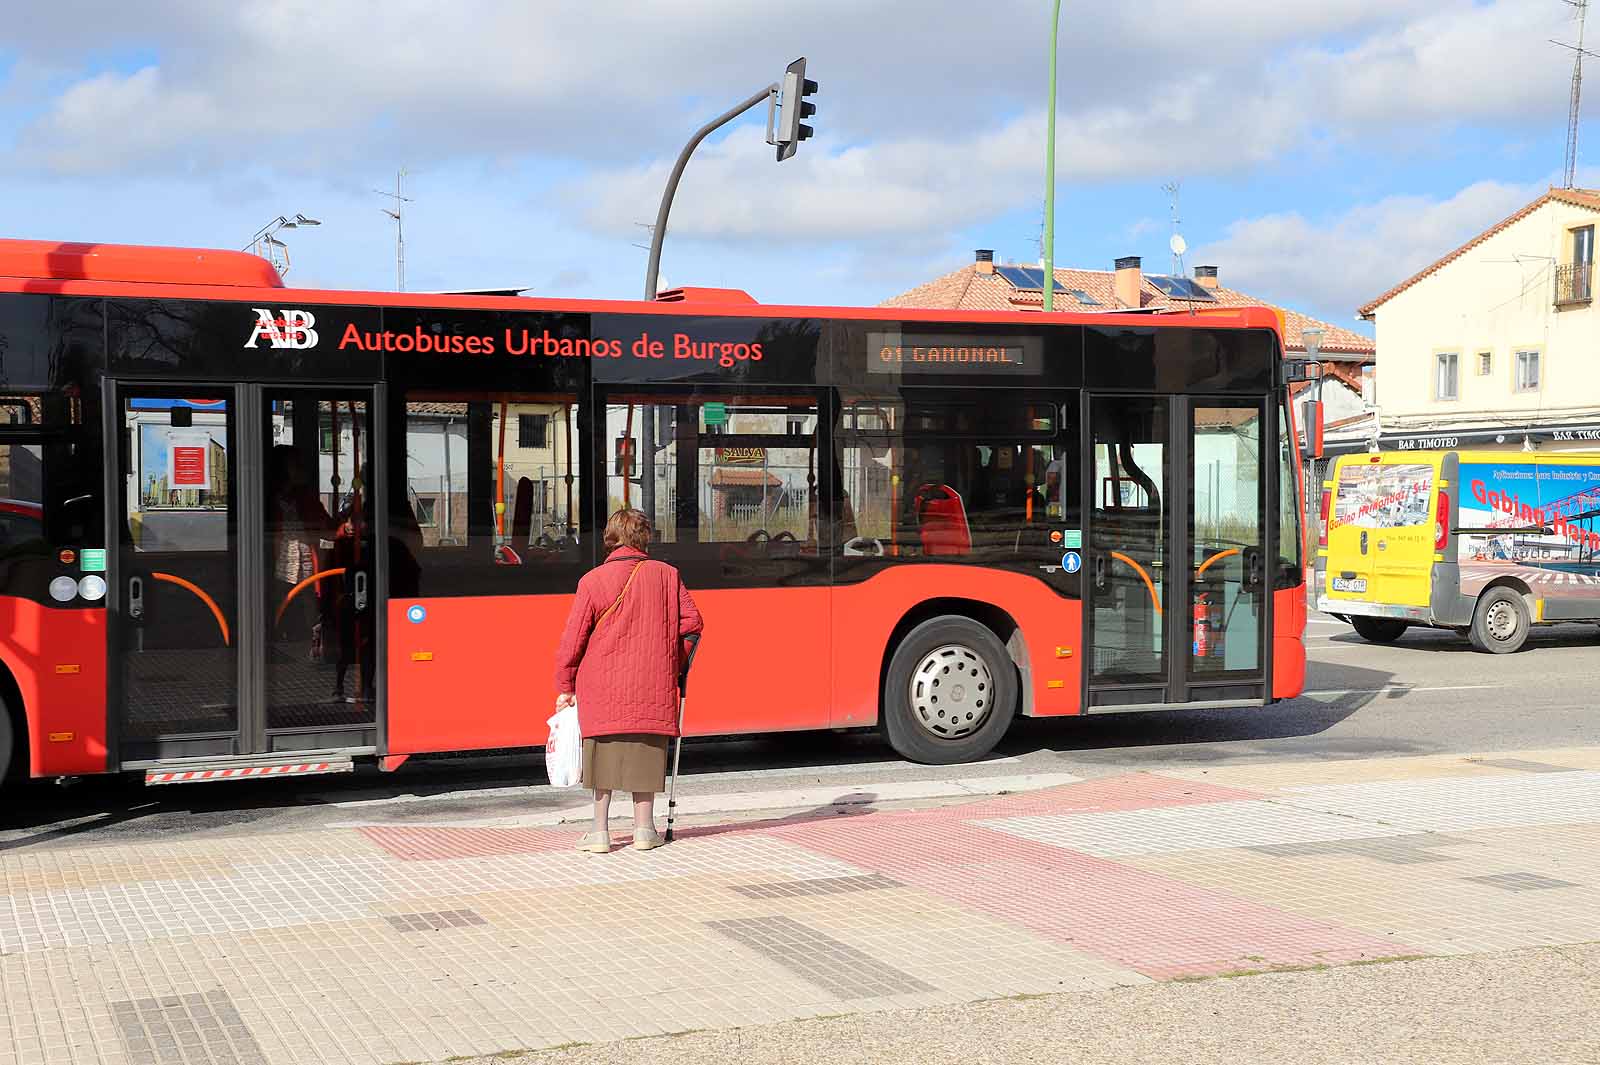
1182,288
1084,298
1021,276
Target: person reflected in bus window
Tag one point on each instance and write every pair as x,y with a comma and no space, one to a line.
296,522
619,660
352,549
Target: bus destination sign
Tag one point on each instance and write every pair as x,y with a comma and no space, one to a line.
944,353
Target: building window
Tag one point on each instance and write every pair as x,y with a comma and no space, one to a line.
1527,371
532,430
1444,376
1485,363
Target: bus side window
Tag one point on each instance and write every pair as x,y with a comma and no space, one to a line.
938,478
491,491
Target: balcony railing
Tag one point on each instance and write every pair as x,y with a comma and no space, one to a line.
1574,283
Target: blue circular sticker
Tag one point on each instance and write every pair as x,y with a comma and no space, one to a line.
417,614
1071,562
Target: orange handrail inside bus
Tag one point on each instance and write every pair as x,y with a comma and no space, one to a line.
500,478
188,586
1218,557
302,586
1155,600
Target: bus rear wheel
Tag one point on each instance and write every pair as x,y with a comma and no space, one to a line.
1500,624
8,747
1378,630
951,692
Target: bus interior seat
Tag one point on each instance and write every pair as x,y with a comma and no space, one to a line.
942,520
522,512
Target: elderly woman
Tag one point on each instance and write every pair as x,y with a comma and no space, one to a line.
619,658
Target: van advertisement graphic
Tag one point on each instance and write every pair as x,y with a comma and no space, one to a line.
1382,497
1539,521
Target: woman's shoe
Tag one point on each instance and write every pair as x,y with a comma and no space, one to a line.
595,842
647,839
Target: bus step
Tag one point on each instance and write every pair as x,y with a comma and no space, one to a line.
194,773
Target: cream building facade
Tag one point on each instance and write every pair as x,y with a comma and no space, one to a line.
1495,344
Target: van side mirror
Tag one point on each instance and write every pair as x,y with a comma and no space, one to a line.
1313,429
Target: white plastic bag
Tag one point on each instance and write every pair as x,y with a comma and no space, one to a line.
563,751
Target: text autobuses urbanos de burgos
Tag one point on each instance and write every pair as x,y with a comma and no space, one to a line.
296,329
527,342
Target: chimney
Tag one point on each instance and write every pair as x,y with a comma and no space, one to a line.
985,264
1206,276
1128,281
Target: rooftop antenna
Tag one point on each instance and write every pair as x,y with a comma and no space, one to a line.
1580,12
397,213
1177,243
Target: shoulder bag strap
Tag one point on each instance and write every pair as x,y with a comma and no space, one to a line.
631,575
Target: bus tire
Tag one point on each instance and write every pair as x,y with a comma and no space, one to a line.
1500,623
1378,630
950,693
8,747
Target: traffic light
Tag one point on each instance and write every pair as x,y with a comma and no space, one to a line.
625,454
796,87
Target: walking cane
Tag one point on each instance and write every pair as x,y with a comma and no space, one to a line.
693,639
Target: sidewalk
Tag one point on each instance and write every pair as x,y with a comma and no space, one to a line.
387,944
1477,1009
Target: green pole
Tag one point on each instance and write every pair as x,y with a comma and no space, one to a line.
1050,171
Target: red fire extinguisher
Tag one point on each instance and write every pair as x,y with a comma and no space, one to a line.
1202,616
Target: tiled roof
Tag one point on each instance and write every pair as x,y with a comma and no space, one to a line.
1588,198
967,289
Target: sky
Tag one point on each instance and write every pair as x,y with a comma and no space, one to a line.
1323,150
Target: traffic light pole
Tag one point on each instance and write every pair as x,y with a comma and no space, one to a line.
660,232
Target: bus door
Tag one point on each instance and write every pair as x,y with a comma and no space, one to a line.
1177,596
244,592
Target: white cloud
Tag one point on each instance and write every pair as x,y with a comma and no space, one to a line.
1338,263
900,189
316,84
1460,62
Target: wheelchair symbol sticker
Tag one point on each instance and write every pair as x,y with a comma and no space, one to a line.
1071,562
417,614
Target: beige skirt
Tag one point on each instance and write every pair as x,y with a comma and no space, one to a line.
625,763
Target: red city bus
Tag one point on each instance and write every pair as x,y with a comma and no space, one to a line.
255,530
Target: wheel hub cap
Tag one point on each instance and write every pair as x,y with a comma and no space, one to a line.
951,691
1502,621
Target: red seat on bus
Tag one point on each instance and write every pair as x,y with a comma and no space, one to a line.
522,512
942,520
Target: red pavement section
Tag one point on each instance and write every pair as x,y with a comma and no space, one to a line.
1153,924
1147,922
1131,791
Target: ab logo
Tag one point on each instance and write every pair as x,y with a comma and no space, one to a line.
285,329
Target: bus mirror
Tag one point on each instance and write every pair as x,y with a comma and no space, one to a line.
1313,429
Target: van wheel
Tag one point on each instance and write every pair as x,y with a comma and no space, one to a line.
1379,630
1500,624
950,694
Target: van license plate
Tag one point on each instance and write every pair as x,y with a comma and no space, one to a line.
1349,584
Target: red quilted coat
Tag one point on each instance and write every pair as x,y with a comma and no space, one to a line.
624,668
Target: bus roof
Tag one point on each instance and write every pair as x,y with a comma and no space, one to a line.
151,272
133,263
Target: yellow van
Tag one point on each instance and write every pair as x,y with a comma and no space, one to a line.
1487,543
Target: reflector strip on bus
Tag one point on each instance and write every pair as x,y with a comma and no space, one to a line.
194,776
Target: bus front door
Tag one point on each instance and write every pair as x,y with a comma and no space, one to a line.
1176,597
243,591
